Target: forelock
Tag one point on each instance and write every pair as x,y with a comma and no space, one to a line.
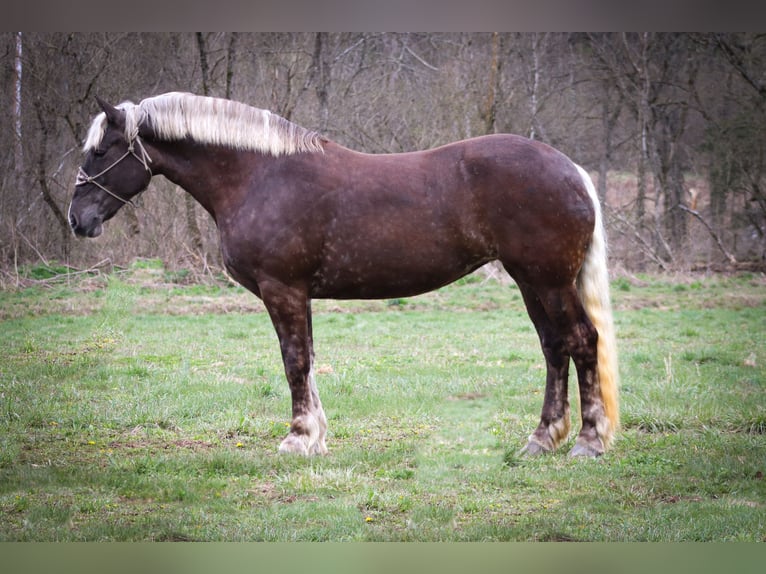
98,128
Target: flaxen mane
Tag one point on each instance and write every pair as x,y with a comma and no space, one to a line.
215,121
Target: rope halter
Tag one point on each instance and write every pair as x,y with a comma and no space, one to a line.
143,157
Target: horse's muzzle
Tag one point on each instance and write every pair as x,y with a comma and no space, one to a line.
94,229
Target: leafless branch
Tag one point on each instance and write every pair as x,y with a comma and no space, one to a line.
710,230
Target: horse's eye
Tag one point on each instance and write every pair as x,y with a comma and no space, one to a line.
99,151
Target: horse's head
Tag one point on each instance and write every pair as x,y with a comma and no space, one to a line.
116,169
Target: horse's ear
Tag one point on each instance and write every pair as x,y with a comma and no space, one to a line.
112,113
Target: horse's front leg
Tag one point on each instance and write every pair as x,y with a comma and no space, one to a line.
290,312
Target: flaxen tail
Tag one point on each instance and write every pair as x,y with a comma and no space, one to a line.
593,286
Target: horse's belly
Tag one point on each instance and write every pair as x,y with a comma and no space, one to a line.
385,275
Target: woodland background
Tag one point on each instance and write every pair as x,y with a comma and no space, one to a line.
671,126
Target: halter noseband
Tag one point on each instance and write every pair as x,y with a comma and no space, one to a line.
83,178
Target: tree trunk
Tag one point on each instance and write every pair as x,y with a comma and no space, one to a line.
321,72
610,112
534,88
191,206
489,112
231,54
18,152
42,181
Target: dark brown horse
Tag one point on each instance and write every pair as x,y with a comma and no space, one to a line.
301,217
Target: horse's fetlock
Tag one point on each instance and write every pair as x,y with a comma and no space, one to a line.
305,425
559,430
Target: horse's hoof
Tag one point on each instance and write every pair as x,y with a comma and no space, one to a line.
586,449
293,444
319,447
534,449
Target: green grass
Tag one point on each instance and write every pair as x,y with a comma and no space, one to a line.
134,407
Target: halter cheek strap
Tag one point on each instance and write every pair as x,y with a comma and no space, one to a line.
83,178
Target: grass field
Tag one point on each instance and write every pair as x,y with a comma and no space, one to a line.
133,407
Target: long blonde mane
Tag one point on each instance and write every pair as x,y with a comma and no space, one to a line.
215,121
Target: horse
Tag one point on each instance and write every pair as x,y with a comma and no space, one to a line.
301,217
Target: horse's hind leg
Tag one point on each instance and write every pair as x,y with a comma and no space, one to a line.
554,419
567,315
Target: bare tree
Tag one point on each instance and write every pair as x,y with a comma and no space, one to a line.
489,111
655,78
735,139
18,67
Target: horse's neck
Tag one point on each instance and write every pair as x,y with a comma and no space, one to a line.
211,174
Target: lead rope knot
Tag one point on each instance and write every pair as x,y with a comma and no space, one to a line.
144,156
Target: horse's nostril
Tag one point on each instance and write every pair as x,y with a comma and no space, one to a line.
72,220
